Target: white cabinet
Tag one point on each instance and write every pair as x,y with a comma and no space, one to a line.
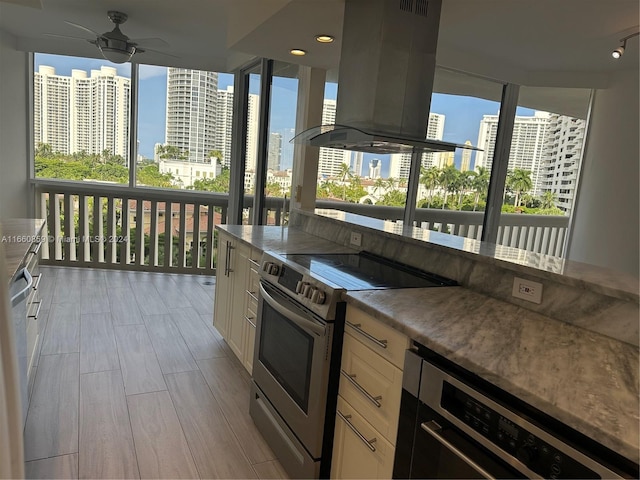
368,398
236,300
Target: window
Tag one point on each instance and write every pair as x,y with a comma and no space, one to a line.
81,119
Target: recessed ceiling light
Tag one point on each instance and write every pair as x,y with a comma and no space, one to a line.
324,38
297,52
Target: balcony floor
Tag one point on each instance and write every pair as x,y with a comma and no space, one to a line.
133,381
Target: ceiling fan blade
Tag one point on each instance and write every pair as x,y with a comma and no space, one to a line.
149,42
142,50
84,28
66,36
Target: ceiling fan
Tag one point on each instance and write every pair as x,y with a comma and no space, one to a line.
115,46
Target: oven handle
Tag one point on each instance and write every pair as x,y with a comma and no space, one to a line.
432,428
299,320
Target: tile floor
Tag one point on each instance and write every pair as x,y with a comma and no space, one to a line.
133,381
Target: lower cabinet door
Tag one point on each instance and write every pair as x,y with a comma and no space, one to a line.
359,451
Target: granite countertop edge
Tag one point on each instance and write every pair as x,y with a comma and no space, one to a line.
17,236
470,358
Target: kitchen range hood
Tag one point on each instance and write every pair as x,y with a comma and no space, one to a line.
387,64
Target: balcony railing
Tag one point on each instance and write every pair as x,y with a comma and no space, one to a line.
543,234
114,226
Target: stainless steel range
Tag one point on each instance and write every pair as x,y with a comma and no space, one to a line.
299,334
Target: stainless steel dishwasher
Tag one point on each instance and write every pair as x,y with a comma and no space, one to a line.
19,292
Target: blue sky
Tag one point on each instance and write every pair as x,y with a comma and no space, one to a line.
463,114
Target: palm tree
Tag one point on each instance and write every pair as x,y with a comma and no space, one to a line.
429,178
447,179
464,183
480,184
548,199
379,184
519,180
344,173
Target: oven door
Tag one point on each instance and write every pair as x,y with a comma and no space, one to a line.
291,364
443,451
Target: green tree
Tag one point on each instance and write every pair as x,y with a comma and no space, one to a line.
519,181
464,183
150,176
344,174
217,184
393,198
216,154
171,152
447,180
378,185
429,178
273,189
480,184
548,199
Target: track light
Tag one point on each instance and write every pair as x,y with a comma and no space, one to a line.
618,52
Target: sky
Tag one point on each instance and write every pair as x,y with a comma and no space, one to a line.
463,114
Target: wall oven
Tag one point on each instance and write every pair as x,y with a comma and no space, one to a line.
455,425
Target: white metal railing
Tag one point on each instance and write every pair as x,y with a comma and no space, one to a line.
543,234
115,226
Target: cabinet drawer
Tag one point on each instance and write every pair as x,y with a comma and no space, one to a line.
372,385
359,451
381,338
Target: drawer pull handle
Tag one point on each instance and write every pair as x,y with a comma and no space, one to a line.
358,328
252,295
254,263
37,311
368,443
36,284
352,378
250,320
34,251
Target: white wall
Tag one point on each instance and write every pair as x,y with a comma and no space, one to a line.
605,226
14,150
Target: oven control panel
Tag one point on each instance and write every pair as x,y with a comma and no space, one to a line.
305,289
532,451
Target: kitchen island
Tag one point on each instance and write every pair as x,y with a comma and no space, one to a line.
579,376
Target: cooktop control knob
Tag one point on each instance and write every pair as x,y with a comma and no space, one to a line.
306,289
299,286
527,453
311,292
318,297
274,269
266,266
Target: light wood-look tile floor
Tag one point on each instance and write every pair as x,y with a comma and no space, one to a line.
133,381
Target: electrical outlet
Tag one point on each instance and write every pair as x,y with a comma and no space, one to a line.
356,239
527,290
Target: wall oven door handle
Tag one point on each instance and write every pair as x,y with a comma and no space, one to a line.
299,320
433,429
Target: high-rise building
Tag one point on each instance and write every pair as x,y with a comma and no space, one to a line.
224,122
465,165
82,113
191,111
252,131
286,160
561,158
356,164
374,168
445,159
401,162
330,159
527,144
275,151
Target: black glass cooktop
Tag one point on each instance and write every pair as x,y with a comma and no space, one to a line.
366,271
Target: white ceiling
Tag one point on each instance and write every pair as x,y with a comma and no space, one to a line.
543,43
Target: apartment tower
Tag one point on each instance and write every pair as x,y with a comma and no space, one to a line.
191,112
401,162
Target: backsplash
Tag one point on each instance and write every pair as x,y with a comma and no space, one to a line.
566,300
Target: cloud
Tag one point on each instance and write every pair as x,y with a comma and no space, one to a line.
150,71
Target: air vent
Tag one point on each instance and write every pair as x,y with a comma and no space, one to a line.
406,5
421,7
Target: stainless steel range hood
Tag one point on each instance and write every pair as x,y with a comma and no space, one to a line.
386,74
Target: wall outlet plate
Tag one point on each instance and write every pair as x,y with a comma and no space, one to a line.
356,239
527,290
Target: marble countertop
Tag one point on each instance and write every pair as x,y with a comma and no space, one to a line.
282,240
17,236
586,380
577,274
